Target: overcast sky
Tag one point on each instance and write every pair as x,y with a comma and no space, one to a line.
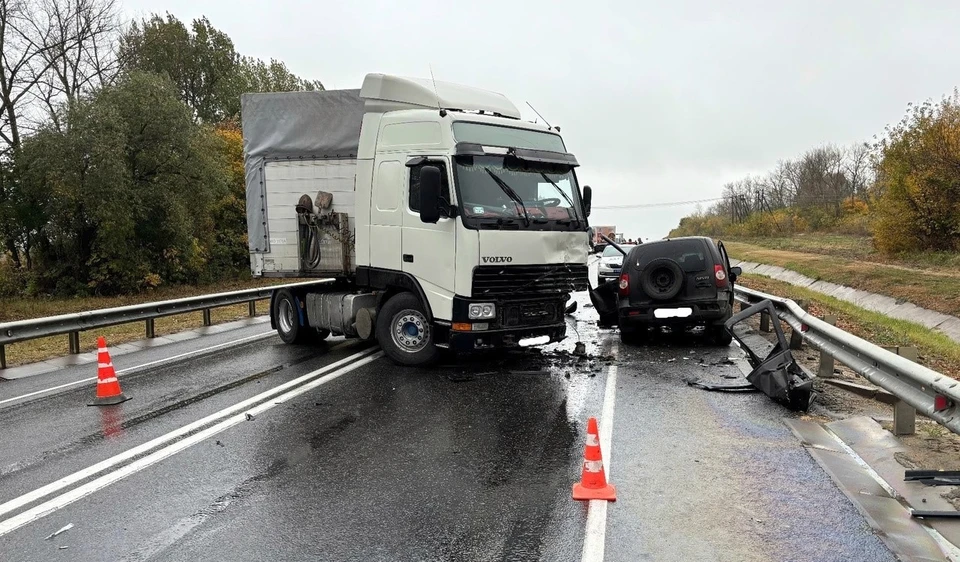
660,101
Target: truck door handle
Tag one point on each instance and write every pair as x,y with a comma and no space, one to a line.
408,258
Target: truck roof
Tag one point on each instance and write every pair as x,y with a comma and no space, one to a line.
416,93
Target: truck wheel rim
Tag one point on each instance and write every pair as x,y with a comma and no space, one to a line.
411,333
285,316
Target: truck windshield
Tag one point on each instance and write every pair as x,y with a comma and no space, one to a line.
549,193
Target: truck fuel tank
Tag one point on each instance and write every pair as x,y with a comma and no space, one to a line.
337,312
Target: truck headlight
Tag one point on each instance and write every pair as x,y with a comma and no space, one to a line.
482,311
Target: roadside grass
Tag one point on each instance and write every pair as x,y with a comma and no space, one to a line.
855,248
56,346
933,289
937,351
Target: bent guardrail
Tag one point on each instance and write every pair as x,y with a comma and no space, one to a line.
73,324
934,394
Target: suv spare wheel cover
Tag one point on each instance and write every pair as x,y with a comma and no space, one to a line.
662,279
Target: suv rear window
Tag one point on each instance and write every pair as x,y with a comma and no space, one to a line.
690,254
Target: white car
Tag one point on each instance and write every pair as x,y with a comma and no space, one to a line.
611,260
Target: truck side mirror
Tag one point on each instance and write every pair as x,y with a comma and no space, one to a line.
430,194
587,199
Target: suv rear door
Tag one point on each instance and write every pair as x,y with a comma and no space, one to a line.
725,262
692,255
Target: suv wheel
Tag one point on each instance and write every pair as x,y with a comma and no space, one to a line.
720,335
633,335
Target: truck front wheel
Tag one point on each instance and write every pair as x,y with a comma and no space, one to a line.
404,333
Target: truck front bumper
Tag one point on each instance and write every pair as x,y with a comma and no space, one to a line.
507,338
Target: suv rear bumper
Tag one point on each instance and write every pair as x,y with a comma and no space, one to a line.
709,311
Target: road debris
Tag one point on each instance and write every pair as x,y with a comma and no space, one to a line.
778,375
62,530
934,514
697,383
933,477
250,417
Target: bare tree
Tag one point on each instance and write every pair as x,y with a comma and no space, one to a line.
83,54
51,50
859,169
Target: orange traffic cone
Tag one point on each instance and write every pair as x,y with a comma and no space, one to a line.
593,481
108,387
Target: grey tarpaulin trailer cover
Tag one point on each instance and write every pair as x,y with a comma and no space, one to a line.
293,125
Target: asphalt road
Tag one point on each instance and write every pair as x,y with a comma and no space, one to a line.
347,457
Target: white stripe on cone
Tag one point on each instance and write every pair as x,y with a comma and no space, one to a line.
107,381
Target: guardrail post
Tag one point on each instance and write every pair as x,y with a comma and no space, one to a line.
206,317
3,357
764,321
151,331
74,343
826,360
904,415
253,308
796,338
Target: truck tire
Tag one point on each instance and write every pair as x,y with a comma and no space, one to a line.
404,333
286,315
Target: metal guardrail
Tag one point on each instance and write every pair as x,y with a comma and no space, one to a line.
73,324
933,394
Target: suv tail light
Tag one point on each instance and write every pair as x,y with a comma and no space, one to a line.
720,276
624,284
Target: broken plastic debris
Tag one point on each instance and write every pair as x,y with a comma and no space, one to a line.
63,529
671,360
250,416
64,547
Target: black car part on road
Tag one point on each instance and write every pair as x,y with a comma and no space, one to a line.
778,375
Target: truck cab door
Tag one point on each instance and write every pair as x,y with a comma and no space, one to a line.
429,250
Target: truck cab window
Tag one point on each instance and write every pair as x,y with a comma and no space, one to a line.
414,200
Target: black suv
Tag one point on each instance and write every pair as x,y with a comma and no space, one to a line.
678,282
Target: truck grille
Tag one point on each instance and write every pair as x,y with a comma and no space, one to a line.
528,280
531,313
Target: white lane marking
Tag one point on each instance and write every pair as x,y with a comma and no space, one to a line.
79,492
595,535
138,367
58,485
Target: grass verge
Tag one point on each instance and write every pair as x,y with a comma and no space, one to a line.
937,351
855,248
932,289
56,346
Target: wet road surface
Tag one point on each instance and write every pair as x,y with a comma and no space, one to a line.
356,459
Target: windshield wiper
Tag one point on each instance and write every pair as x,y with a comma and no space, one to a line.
511,194
573,207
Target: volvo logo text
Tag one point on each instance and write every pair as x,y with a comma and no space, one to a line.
497,259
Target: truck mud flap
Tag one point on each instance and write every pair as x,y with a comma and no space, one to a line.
604,299
777,374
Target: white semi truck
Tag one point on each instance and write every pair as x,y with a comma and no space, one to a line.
443,219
